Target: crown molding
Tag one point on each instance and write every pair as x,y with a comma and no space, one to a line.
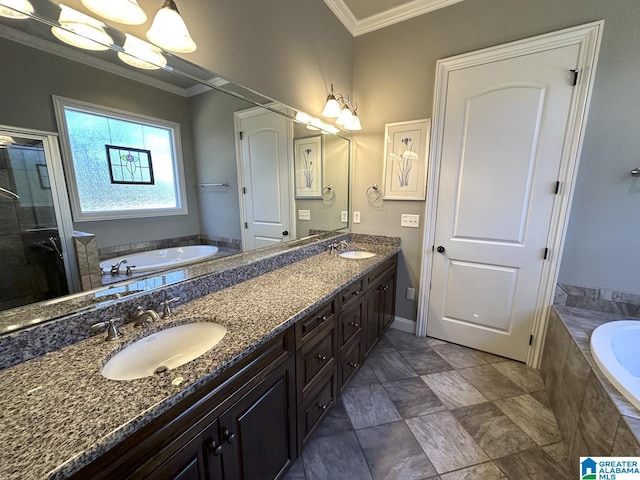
384,19
340,10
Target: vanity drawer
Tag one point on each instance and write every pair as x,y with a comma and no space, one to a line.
351,293
350,323
309,325
314,408
349,364
379,271
315,361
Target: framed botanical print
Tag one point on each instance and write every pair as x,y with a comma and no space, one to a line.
308,166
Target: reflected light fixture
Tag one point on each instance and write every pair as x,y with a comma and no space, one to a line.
141,54
121,11
316,124
346,115
6,141
169,31
17,9
80,30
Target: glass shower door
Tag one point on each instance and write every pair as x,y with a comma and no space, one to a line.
31,248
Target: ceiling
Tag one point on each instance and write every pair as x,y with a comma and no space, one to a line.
363,16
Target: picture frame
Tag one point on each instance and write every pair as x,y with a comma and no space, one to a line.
406,151
308,165
43,176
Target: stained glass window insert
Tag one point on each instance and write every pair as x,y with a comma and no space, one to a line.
130,165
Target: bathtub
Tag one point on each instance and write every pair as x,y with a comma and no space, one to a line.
615,347
161,259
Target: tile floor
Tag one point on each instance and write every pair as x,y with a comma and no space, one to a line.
421,408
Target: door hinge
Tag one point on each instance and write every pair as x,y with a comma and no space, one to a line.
244,190
433,248
546,253
557,187
240,133
575,76
246,225
530,339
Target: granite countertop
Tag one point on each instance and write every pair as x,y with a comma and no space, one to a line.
58,413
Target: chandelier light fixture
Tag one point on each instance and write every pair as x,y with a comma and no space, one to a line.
17,9
121,11
141,54
169,31
80,30
345,115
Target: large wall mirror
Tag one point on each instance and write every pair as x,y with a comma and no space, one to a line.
82,133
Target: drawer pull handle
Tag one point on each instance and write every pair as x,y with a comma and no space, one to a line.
322,406
323,318
216,448
322,358
353,365
228,436
354,324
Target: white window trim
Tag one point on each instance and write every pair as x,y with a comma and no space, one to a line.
60,103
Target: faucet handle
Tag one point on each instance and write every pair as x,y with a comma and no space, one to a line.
128,270
166,307
111,327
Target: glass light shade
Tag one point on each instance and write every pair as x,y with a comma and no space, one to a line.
169,31
6,140
121,11
331,108
303,117
141,54
345,116
353,123
15,8
80,30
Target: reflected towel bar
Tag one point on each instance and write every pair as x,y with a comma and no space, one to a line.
203,185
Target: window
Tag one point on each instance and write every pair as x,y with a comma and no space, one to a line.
118,164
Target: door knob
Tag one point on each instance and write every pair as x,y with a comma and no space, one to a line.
285,233
440,249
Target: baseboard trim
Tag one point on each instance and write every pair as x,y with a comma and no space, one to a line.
405,325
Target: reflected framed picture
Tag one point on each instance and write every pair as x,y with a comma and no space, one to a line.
405,159
308,166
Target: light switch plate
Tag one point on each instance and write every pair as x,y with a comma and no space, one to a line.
411,221
304,214
344,216
356,217
411,293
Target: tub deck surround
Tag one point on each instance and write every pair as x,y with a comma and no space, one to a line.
594,418
58,412
71,319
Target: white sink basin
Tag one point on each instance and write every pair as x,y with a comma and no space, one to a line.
164,350
355,254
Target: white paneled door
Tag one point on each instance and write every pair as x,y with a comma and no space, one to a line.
504,129
265,163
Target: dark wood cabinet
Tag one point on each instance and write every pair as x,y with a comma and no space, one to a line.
253,420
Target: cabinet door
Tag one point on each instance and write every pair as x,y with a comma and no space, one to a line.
258,431
199,459
373,318
388,293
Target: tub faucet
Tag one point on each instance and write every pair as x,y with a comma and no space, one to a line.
144,317
115,269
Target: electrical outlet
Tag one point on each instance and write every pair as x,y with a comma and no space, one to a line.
344,216
411,221
411,293
304,214
356,217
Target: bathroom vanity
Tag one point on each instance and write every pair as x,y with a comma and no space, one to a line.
296,336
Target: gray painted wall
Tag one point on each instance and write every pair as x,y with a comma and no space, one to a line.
31,77
394,72
289,50
215,148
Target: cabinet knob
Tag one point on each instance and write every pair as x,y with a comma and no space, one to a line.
322,358
216,448
322,406
228,436
353,365
323,318
354,324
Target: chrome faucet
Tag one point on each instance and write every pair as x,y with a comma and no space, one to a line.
144,317
111,327
115,269
343,245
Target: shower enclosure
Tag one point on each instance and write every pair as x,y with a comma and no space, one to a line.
34,262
